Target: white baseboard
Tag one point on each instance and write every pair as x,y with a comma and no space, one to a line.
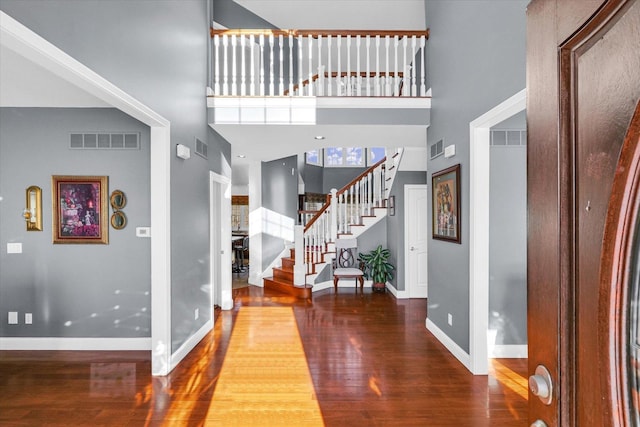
509,352
190,344
453,348
396,293
88,344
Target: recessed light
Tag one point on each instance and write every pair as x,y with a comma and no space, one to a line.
319,137
242,156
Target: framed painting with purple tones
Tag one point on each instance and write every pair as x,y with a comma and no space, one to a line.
445,186
80,209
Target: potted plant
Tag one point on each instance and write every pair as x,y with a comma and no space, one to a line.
377,267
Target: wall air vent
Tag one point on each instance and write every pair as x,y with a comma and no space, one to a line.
508,137
202,149
104,141
436,149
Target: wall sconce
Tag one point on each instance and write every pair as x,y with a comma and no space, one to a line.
118,201
33,210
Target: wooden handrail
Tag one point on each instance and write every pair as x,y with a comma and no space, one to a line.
334,74
316,33
342,190
359,177
319,214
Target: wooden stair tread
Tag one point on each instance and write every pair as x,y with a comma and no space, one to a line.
287,288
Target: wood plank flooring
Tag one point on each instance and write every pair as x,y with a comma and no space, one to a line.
370,358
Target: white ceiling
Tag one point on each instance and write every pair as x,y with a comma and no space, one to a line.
341,14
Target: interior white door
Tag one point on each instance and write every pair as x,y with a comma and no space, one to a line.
416,235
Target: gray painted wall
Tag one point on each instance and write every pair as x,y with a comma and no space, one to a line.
312,176
279,198
338,177
157,52
508,244
471,70
81,284
395,224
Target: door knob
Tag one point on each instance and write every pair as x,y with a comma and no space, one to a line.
539,423
412,248
541,385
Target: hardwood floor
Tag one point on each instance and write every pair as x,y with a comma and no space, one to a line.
370,358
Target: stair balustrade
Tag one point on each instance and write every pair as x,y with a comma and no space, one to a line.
319,63
344,209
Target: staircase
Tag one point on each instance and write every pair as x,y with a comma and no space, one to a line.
349,212
282,280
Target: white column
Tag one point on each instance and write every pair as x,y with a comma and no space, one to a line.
243,73
234,71
216,84
261,65
252,84
329,38
358,76
414,87
255,223
281,68
225,64
290,64
310,40
272,76
423,86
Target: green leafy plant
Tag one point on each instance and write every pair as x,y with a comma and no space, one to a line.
377,266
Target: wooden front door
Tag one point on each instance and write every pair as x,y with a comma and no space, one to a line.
583,82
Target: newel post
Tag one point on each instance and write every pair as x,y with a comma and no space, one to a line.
299,269
333,210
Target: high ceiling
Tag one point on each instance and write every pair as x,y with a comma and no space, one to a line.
341,14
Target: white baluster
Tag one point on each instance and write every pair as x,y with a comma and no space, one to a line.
261,64
216,78
243,74
358,76
320,85
234,72
338,75
310,40
329,38
281,68
290,64
377,80
225,82
252,83
368,75
423,86
333,217
396,77
387,78
405,83
345,204
271,75
300,71
414,87
349,65
371,201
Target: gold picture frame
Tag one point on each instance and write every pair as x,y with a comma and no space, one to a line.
80,209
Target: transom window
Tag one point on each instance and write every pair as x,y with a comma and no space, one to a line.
345,156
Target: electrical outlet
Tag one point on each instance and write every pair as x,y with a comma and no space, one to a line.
28,318
13,318
196,313
449,319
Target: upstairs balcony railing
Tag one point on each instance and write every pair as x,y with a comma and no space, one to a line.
319,63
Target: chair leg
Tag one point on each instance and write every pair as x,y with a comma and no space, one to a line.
361,279
335,284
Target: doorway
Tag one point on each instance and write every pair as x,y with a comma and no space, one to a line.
220,241
416,237
480,141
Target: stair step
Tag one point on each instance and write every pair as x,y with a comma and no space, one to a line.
288,263
287,288
283,275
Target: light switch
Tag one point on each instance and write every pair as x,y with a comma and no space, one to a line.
143,231
28,318
14,248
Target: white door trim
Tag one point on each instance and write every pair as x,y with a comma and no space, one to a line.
223,258
407,213
479,227
21,39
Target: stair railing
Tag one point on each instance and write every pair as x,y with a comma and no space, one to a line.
319,63
344,208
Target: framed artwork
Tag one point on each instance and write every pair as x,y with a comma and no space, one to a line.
80,209
445,186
